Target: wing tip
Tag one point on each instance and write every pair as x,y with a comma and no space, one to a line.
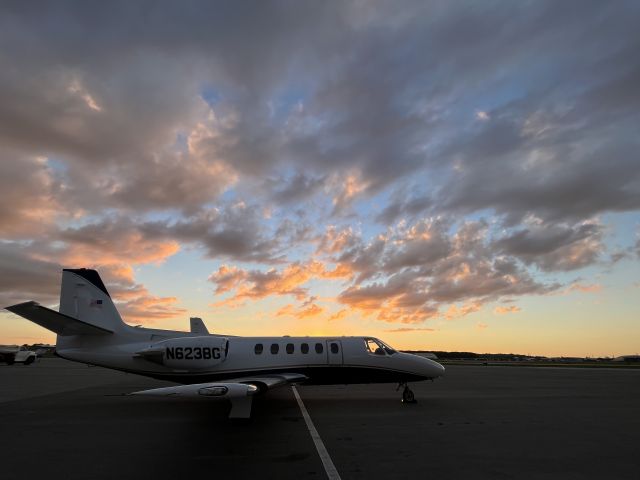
18,306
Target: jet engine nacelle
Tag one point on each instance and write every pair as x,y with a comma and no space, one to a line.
188,352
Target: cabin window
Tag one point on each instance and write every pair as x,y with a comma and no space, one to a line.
258,349
304,348
289,348
319,348
275,348
334,348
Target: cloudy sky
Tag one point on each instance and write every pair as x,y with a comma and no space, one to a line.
443,175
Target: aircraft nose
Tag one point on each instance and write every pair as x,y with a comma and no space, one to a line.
433,369
421,366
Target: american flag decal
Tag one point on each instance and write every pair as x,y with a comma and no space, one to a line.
95,303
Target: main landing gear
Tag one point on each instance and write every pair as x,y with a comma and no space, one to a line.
407,393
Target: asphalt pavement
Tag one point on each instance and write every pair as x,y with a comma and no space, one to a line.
62,420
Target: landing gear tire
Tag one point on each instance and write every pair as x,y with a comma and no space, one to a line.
407,394
29,360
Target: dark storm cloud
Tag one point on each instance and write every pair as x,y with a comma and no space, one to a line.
28,195
299,187
107,87
556,180
422,244
106,90
26,278
116,114
555,247
403,207
364,258
565,150
234,233
112,240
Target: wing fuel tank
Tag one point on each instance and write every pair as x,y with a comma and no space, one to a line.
239,394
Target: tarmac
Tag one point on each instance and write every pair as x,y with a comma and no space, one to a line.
62,420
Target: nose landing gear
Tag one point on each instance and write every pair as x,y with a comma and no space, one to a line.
407,393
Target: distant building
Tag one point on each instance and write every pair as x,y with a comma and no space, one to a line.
429,355
420,353
628,359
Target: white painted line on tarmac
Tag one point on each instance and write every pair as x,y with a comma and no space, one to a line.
329,467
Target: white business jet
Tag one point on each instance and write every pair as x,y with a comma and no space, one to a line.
90,330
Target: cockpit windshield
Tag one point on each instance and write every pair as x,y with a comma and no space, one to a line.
378,347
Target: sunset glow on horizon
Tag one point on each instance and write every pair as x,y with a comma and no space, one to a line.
443,176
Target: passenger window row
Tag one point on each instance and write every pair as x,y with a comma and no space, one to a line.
290,348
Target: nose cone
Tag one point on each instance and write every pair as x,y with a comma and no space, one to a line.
434,368
423,367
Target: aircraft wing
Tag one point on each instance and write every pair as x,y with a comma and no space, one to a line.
267,382
56,322
238,390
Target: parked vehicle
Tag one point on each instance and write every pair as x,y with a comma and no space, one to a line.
14,354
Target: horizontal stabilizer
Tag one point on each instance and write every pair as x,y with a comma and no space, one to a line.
56,322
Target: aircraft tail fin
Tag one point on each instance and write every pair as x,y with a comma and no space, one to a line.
198,326
83,296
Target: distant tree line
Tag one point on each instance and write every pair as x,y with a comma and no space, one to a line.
474,356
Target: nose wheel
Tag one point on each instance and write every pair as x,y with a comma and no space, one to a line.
407,393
